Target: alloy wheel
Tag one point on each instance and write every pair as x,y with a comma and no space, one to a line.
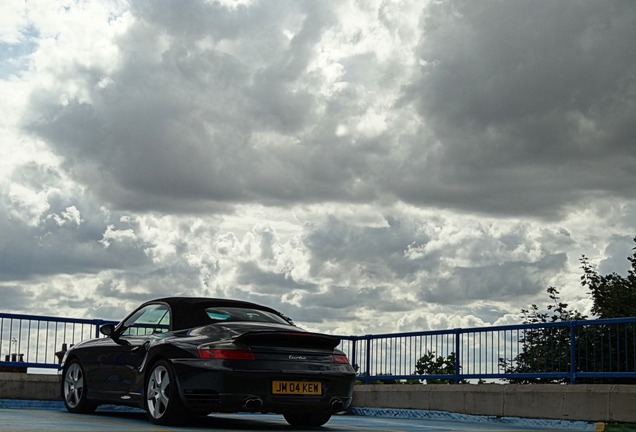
73,385
158,392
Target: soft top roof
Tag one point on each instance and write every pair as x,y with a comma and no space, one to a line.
189,312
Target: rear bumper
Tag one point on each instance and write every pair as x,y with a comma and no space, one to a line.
221,386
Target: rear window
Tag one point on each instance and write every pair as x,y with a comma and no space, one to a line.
217,314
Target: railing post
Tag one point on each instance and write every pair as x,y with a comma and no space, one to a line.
367,377
354,351
457,354
573,352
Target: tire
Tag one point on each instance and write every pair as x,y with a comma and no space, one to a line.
307,419
74,389
163,403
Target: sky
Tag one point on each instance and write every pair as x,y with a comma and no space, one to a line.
362,166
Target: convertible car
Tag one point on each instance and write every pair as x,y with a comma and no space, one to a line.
179,356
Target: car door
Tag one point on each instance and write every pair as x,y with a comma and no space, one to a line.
119,360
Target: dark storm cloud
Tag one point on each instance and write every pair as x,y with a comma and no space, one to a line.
368,251
531,104
479,262
62,241
15,298
263,281
523,107
176,119
505,282
617,252
28,253
115,289
344,302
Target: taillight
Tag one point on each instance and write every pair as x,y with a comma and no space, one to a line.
340,358
225,354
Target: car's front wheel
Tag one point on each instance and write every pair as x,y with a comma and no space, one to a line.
74,389
307,419
162,396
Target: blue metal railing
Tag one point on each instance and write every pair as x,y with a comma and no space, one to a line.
563,351
30,341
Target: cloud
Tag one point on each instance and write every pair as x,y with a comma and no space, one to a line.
14,298
362,167
177,117
517,115
529,105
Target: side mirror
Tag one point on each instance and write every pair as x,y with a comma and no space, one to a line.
107,330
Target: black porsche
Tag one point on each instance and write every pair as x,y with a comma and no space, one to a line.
182,356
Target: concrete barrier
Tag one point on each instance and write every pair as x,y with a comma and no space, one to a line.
588,402
29,386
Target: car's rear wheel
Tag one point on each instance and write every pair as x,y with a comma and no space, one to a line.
74,389
307,419
163,404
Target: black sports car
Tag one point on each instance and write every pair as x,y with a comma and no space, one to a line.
180,356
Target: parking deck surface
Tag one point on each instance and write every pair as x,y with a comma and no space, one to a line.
116,420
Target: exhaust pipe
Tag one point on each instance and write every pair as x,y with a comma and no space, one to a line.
253,403
337,405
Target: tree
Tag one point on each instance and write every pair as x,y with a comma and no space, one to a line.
614,296
548,349
543,349
430,364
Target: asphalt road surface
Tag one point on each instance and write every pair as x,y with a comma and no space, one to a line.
60,420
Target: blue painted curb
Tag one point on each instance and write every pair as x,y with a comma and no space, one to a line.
31,404
572,425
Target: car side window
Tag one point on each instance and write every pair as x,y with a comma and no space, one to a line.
151,319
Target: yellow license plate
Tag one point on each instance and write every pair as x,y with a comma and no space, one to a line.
296,387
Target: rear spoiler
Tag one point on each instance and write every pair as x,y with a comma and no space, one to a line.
289,339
